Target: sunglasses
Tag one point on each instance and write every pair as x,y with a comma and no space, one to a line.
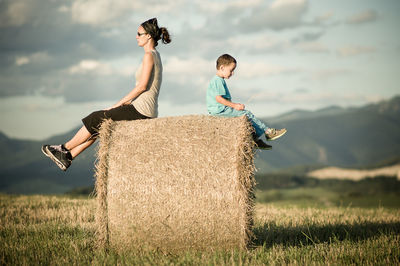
140,34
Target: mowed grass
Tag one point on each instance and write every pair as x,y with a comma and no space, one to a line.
60,230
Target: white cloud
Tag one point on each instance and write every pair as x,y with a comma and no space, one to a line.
186,80
106,12
17,14
192,67
261,69
312,47
21,60
363,17
324,17
279,15
91,66
354,50
216,7
95,12
257,44
284,5
39,57
63,9
328,74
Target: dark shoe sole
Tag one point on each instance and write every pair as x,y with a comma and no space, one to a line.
261,145
53,158
277,137
264,148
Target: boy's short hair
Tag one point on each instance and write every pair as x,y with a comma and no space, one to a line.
225,60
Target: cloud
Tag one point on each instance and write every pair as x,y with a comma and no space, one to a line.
22,60
186,79
263,44
328,74
323,18
116,12
35,58
260,69
355,50
95,12
279,15
308,37
230,18
301,90
312,47
190,66
86,49
215,7
90,66
363,17
258,44
16,13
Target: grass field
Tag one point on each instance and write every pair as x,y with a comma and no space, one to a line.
59,230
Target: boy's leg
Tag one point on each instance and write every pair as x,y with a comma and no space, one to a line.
273,133
258,125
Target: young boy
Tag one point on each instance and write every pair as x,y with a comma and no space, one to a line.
219,103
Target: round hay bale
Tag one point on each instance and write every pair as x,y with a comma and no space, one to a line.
175,183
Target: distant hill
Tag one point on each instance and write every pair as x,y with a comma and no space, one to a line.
304,114
25,170
333,136
340,137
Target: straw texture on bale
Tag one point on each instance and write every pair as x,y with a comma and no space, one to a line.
175,183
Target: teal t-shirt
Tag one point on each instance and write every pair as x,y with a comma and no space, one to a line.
217,86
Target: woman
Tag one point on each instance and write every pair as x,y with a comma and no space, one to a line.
140,103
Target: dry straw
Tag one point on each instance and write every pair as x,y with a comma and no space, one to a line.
175,183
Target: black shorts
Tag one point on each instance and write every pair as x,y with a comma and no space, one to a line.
124,112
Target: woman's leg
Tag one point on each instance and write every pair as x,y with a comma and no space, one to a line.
80,137
84,138
80,148
62,155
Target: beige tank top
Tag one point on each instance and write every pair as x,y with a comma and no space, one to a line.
147,102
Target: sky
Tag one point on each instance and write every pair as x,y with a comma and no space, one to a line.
62,59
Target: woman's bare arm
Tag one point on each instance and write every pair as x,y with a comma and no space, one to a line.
148,63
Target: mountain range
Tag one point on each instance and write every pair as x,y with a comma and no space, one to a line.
346,137
333,136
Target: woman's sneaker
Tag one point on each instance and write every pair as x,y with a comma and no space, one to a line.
273,133
262,145
59,155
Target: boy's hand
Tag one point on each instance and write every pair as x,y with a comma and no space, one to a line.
239,106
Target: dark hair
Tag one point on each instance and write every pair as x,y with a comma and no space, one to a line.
151,27
225,60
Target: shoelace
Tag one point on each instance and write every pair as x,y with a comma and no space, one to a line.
56,147
59,148
272,131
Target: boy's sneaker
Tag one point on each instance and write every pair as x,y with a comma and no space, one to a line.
58,155
275,133
262,145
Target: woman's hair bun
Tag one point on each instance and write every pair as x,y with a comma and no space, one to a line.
165,35
151,27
